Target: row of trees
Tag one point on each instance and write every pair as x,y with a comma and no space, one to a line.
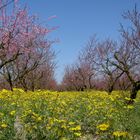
109,64
26,55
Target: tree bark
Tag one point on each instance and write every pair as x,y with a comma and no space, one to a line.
134,91
11,85
110,89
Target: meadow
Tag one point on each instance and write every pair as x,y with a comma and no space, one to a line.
47,115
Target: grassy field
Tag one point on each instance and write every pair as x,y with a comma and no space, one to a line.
45,115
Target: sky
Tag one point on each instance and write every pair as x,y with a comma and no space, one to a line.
77,21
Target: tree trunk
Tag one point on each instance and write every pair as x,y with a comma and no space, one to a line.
90,83
33,86
24,85
11,85
10,81
110,89
111,84
134,91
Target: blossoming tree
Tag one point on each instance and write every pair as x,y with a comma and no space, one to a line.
23,43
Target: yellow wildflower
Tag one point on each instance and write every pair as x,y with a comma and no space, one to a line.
1,114
49,127
77,128
13,103
128,99
120,134
130,107
112,99
103,127
3,125
63,103
18,89
77,134
39,119
63,126
12,112
5,91
71,123
34,114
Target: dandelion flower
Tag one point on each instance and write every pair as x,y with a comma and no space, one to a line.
4,125
12,112
103,127
120,134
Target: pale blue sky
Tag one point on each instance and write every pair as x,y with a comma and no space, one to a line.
77,21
